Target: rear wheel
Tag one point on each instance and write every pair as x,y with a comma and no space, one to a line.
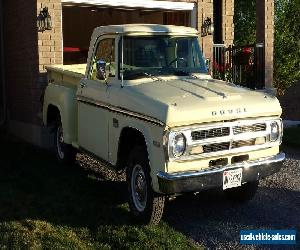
146,206
65,153
242,194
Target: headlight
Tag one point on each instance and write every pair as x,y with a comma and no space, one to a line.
275,131
177,144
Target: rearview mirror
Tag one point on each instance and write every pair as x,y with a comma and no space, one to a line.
101,72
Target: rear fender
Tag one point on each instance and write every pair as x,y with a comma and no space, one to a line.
64,99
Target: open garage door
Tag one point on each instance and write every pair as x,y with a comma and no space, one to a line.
80,17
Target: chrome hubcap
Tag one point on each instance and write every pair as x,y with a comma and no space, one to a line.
59,142
139,188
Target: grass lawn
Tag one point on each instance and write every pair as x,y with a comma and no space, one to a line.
44,205
291,136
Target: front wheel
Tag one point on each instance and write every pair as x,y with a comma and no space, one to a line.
145,205
65,153
242,194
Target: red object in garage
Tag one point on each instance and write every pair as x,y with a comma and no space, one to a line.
75,55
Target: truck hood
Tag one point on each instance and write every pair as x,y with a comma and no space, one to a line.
191,101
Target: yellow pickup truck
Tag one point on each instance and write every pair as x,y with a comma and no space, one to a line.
144,103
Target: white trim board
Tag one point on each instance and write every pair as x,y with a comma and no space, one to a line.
144,4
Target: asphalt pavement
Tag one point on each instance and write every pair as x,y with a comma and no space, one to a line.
212,221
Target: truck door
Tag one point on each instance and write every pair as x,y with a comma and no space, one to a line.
93,114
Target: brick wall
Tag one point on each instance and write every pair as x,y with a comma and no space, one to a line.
228,26
27,52
205,9
269,42
49,42
265,34
21,58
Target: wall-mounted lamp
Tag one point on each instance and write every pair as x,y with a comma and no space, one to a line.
44,21
207,27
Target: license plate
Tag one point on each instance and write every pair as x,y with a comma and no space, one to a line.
232,178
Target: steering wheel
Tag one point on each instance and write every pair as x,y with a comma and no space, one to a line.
178,59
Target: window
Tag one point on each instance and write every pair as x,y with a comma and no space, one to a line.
160,55
105,51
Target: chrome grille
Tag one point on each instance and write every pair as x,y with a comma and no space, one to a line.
215,147
225,137
243,143
210,133
249,128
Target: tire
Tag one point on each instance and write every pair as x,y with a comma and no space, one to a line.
65,153
145,205
242,194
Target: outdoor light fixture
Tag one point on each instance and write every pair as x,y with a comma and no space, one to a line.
44,21
207,27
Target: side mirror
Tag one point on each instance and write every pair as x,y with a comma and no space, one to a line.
207,63
101,72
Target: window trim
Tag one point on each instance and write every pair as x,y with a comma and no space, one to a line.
95,47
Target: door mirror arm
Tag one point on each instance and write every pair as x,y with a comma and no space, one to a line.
101,70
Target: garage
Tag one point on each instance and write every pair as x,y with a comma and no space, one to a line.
80,17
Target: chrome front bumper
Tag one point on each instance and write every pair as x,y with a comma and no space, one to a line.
181,182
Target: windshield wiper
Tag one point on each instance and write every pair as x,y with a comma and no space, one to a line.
154,77
179,72
185,73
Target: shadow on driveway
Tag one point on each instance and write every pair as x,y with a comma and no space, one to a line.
34,186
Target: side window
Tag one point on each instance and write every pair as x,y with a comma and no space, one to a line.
105,51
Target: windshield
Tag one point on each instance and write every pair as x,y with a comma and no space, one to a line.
159,56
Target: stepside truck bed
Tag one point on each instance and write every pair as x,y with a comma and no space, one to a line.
67,75
61,94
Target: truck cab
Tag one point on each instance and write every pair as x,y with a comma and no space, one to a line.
144,103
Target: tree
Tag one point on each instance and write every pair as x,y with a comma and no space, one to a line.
244,22
287,43
287,37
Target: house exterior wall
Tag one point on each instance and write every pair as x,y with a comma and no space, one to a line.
27,52
269,42
21,68
50,42
205,9
21,57
228,26
265,34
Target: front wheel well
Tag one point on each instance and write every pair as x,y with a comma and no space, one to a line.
53,115
129,138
